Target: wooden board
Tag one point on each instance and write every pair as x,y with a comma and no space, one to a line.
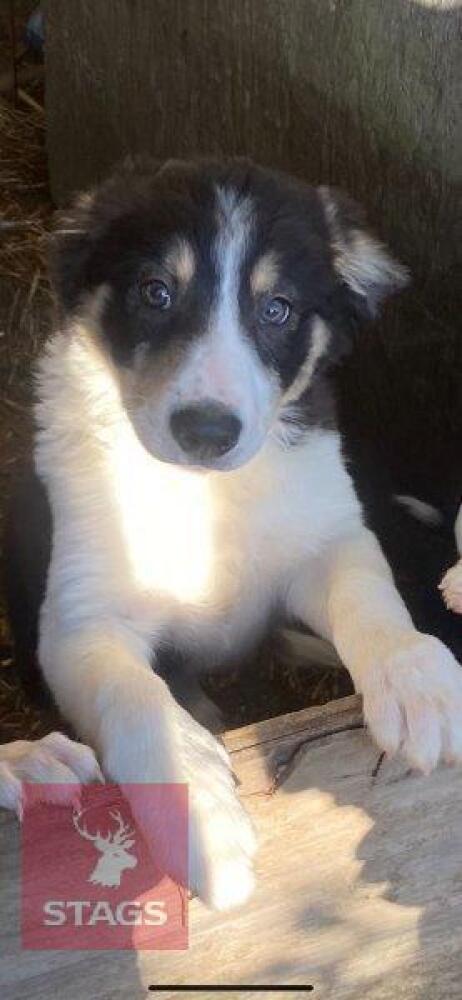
359,882
363,94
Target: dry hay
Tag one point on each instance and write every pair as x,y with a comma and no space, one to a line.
25,300
25,206
25,219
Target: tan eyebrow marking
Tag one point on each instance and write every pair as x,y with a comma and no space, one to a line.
264,274
180,260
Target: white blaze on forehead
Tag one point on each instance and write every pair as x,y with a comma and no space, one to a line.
234,217
222,363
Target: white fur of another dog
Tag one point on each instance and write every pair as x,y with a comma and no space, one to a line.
451,584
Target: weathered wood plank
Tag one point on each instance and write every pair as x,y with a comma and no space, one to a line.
359,885
362,94
320,720
263,752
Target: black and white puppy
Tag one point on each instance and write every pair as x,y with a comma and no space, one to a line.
188,444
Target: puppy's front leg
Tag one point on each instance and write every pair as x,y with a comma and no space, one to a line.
410,682
104,684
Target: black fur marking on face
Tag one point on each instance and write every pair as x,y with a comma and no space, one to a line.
121,235
289,224
129,320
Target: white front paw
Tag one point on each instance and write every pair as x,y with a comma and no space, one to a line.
54,760
222,840
451,588
221,837
413,701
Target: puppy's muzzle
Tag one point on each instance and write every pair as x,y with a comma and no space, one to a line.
205,430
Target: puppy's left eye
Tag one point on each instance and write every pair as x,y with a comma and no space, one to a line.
156,294
275,311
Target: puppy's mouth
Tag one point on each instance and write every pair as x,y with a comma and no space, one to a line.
208,458
207,461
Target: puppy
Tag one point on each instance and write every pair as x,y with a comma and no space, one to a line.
200,483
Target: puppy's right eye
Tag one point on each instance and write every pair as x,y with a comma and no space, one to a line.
156,294
275,311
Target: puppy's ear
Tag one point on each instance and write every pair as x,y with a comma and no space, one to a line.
79,230
361,261
70,249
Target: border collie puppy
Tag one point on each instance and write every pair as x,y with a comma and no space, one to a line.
197,477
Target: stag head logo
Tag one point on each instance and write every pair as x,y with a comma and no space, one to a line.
114,849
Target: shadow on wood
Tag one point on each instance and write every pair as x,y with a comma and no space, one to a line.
358,881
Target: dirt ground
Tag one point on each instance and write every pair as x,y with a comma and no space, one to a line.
267,686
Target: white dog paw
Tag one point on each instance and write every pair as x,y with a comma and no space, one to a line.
413,702
222,840
54,760
451,588
221,837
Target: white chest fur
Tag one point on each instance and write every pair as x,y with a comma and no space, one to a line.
212,553
208,554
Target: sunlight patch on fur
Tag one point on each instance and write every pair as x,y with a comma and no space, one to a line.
167,511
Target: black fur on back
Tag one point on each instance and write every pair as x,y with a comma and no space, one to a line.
399,409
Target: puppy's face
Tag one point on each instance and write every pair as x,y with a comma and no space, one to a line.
218,291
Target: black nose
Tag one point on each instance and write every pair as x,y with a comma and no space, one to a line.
205,430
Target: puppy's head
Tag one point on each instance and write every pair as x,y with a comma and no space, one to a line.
217,291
